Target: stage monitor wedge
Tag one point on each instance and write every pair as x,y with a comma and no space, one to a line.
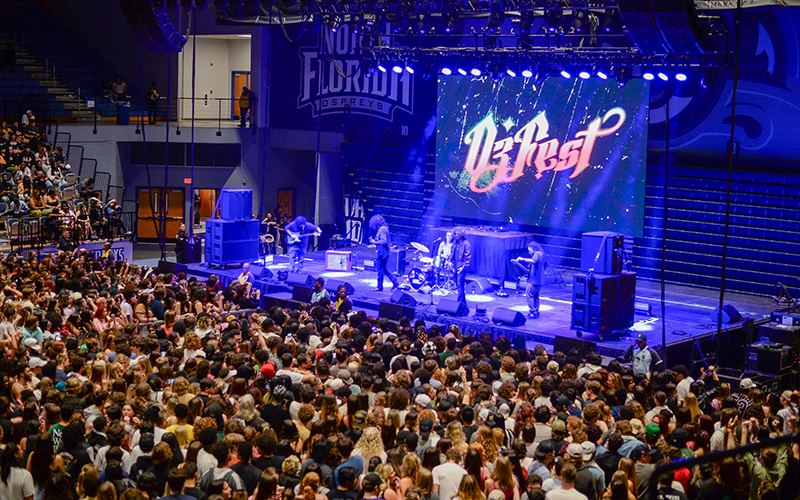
333,285
303,279
302,293
508,317
402,298
395,312
729,315
452,307
479,286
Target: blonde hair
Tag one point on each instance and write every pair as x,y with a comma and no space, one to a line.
490,448
411,467
503,475
469,489
291,465
627,466
247,408
106,491
425,481
690,401
370,444
88,473
455,431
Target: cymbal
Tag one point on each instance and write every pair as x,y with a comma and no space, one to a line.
420,247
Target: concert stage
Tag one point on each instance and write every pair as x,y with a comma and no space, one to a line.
688,309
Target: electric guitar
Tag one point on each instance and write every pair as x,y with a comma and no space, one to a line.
292,237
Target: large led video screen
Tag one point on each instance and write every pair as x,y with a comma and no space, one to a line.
566,153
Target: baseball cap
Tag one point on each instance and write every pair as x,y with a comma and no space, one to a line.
787,395
574,450
32,343
641,337
336,384
589,450
678,437
61,386
544,448
652,430
35,362
641,451
636,426
747,383
483,414
268,370
552,366
371,481
425,426
497,495
422,400
559,425
359,418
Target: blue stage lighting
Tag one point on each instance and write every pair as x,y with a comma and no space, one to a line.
565,73
681,77
447,71
510,72
584,74
601,73
475,72
410,69
397,69
462,72
382,68
648,76
663,76
527,73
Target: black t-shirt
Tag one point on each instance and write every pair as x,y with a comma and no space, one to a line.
667,493
195,492
250,474
264,462
469,430
338,494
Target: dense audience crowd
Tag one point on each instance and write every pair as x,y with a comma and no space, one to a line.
37,183
120,383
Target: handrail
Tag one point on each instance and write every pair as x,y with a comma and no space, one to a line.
716,457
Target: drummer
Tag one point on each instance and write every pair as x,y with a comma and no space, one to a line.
445,251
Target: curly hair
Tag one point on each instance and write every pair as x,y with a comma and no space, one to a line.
370,444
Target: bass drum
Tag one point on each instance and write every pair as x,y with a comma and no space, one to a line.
417,278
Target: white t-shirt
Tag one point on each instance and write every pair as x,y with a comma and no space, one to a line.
18,486
448,477
297,378
560,494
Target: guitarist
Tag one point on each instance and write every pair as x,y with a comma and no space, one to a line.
383,245
297,233
535,276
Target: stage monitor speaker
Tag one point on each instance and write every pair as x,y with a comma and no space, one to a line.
165,267
402,298
395,312
302,293
729,315
152,26
452,307
333,285
479,286
508,317
303,279
236,204
566,344
266,274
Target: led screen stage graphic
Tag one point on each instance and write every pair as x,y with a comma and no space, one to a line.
568,153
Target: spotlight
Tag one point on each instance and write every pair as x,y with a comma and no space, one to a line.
381,68
510,72
462,72
526,73
475,72
647,75
602,74
663,76
409,69
565,73
584,74
703,82
447,71
397,69
449,23
334,22
681,77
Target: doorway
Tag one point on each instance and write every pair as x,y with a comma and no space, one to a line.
169,204
241,79
208,198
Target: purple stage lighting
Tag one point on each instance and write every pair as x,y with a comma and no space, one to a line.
475,72
681,77
663,76
410,69
601,73
510,72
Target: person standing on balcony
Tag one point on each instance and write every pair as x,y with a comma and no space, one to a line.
152,103
246,101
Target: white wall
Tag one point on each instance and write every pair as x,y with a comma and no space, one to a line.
216,59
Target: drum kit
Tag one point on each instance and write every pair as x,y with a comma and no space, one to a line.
431,274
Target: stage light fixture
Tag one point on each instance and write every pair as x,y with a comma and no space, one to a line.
648,75
663,76
584,74
397,69
553,16
449,23
681,77
409,69
382,68
334,23
565,73
447,71
475,72
462,72
526,73
602,74
510,72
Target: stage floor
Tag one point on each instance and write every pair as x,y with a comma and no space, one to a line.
687,309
